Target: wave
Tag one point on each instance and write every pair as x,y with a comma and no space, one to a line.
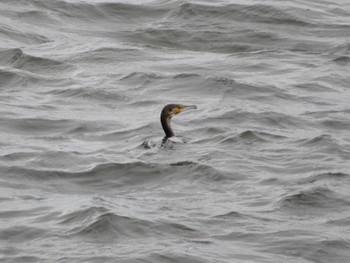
232,215
109,225
89,93
312,199
341,49
236,12
340,124
14,79
17,79
215,28
201,172
37,17
100,222
225,87
16,58
108,55
315,86
338,222
173,10
324,143
322,140
252,137
36,126
243,118
15,37
196,40
19,70
179,25
338,176
120,12
110,176
19,233
141,78
175,258
342,60
311,246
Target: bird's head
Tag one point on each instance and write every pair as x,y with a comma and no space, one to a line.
172,110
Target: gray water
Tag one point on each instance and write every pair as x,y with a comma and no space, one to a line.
264,175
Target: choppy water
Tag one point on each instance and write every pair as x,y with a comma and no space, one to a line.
264,175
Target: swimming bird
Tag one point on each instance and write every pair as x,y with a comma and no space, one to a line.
168,112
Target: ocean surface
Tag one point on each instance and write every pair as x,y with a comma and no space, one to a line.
264,175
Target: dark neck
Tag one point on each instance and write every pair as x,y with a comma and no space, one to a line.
166,127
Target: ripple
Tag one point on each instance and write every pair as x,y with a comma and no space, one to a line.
343,60
111,176
16,58
10,34
36,125
117,12
110,225
88,93
10,78
21,234
107,225
244,137
312,199
236,12
337,176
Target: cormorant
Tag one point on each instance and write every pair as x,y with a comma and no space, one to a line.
168,112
